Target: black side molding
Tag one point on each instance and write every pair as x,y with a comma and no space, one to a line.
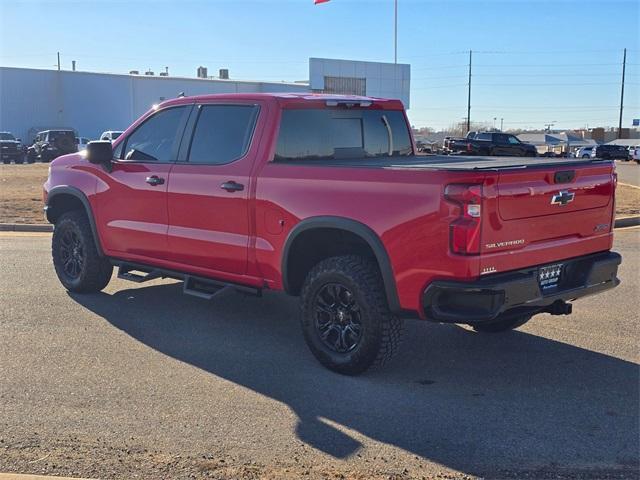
52,215
364,232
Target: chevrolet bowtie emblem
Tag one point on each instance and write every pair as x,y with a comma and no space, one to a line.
563,197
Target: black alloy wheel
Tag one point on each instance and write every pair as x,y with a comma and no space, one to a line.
72,253
338,318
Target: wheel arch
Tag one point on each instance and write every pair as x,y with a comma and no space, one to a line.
63,199
340,224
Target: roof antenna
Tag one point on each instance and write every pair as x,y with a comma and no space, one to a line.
181,94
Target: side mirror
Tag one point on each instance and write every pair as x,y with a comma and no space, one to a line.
100,153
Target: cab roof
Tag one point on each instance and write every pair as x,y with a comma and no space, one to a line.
297,98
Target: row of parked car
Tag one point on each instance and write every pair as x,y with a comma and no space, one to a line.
614,152
46,145
505,144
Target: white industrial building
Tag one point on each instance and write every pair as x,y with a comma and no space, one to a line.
32,100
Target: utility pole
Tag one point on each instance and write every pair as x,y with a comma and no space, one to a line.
469,96
395,32
58,61
624,66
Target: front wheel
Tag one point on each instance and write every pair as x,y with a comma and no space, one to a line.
75,257
345,318
502,325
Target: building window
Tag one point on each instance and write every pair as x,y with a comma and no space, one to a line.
345,85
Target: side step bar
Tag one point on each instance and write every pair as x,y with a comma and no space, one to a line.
125,273
201,287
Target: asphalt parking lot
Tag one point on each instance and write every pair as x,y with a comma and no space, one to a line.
143,381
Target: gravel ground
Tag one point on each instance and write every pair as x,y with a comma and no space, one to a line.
143,382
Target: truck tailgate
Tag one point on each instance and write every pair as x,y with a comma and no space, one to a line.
541,215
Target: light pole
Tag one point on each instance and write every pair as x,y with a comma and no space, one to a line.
502,124
395,32
494,122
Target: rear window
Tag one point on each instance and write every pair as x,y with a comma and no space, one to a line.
54,135
318,134
223,133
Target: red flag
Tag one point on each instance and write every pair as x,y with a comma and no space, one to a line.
316,2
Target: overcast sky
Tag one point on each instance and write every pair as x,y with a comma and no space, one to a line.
535,62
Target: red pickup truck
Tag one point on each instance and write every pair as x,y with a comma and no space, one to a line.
322,197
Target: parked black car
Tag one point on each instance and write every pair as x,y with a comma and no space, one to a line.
10,148
489,143
50,144
610,152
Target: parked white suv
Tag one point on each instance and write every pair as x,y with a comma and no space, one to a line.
110,135
81,142
584,152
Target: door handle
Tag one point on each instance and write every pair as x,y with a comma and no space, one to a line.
232,186
154,180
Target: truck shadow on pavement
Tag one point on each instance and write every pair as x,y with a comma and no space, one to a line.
468,401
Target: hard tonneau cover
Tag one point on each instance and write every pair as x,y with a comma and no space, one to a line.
445,162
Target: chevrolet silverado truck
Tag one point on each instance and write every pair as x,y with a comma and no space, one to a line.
324,198
489,143
10,148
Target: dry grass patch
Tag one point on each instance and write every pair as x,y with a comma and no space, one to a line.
627,201
21,193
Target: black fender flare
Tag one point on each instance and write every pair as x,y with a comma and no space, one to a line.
79,194
357,228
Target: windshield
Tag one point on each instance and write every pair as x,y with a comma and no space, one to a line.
6,136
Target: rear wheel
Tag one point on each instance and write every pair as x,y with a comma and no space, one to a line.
345,318
502,325
75,257
6,161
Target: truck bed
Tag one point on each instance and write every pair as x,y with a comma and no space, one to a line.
452,162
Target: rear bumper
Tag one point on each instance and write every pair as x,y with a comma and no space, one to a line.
518,292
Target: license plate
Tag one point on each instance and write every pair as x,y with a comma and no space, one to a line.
549,276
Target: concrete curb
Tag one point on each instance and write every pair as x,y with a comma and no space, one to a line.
25,227
45,227
627,222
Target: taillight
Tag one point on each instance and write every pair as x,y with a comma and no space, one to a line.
465,230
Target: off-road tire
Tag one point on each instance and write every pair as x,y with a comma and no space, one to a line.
95,271
502,325
381,331
6,161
